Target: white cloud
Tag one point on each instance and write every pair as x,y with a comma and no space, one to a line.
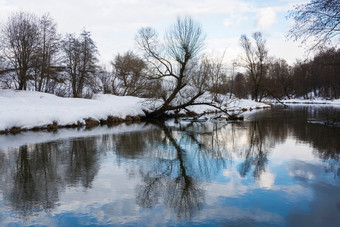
234,21
113,24
228,46
266,180
265,18
286,151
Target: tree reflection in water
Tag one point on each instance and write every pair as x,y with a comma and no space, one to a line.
82,162
172,181
256,154
200,152
41,171
34,185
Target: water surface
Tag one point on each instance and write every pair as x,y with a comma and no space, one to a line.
275,168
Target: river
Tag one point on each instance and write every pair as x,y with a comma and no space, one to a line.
279,167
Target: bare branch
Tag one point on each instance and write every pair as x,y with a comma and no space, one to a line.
318,20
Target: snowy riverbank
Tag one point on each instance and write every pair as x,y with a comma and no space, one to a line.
29,110
317,101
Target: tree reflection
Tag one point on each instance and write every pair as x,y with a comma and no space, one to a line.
173,181
176,176
323,139
256,154
41,171
199,153
34,184
134,144
23,199
83,162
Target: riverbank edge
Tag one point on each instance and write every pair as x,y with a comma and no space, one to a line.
88,123
109,121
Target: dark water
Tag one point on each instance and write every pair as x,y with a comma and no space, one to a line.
274,169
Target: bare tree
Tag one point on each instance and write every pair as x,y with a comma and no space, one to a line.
301,77
71,49
217,74
281,78
175,63
80,58
20,39
255,61
47,54
105,79
240,86
318,20
130,75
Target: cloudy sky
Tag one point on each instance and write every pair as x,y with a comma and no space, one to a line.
114,23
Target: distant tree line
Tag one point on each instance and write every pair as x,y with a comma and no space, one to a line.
171,69
317,21
269,77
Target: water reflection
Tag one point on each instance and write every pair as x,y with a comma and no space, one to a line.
174,166
324,209
256,154
82,162
33,180
175,181
33,176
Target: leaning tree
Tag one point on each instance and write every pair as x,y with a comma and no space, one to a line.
177,63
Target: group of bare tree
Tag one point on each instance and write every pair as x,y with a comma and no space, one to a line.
274,78
170,69
316,24
34,56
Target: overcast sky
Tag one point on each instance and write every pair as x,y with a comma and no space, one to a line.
114,23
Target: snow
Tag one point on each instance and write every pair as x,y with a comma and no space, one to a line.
232,103
318,101
29,109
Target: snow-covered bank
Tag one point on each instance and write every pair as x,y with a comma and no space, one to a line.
317,101
28,109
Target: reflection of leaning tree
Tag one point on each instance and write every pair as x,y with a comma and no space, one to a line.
175,179
171,180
